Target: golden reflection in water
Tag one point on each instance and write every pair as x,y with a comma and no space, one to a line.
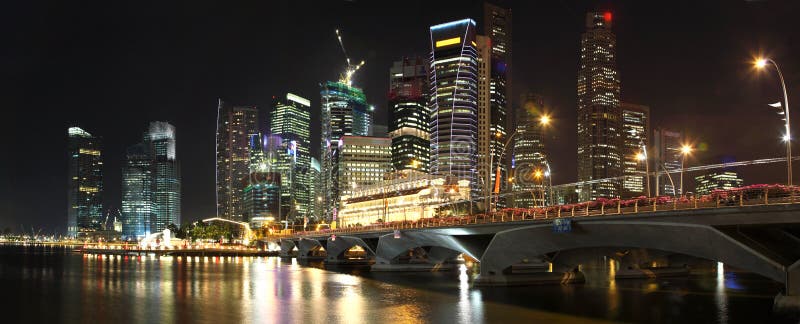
613,296
470,304
351,302
719,295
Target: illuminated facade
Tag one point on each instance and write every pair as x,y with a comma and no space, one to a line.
137,192
234,125
528,154
85,190
291,121
261,195
667,156
409,115
725,180
454,101
316,193
166,177
408,196
361,161
344,113
635,137
599,115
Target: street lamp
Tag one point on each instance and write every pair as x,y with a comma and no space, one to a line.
642,157
549,174
761,63
685,150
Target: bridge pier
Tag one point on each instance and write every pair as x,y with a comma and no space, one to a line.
288,248
790,300
424,251
338,247
311,250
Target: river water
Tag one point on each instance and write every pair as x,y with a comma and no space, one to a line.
54,284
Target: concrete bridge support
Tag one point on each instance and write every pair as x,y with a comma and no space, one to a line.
425,251
288,248
311,249
338,246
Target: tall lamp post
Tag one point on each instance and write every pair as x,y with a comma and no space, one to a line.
642,157
685,150
761,63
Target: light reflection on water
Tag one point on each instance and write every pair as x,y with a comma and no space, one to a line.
121,289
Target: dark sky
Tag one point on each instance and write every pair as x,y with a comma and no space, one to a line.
113,66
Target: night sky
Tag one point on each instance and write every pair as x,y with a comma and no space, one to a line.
111,67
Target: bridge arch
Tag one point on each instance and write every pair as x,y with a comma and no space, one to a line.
529,242
443,246
338,245
309,247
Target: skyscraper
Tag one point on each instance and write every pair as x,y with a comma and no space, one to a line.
291,121
234,125
316,193
344,113
137,192
635,138
85,184
497,22
667,157
720,180
361,161
454,94
528,156
262,187
409,115
166,176
599,115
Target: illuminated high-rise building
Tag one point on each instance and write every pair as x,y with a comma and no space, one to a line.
599,115
528,154
667,157
137,192
344,113
166,176
85,189
635,138
234,125
361,161
291,120
495,92
261,195
454,101
316,192
720,180
409,115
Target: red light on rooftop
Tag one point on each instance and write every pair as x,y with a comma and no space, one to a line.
607,17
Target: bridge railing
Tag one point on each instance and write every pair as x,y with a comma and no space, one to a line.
754,195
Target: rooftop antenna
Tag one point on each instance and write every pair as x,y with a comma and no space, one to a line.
347,76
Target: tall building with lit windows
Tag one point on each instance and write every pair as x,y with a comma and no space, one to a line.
291,120
667,157
345,112
361,161
234,125
528,155
496,70
137,192
635,139
409,114
720,180
599,115
85,184
454,101
166,176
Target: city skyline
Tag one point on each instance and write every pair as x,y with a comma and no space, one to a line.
563,123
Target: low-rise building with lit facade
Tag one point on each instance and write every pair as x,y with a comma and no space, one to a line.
726,180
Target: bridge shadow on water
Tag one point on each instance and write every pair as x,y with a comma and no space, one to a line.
709,295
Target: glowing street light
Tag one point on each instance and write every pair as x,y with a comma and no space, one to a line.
761,63
544,120
686,149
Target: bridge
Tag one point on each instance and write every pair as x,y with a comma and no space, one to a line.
756,229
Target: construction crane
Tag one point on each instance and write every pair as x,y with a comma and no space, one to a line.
347,76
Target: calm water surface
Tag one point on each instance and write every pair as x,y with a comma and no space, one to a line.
53,284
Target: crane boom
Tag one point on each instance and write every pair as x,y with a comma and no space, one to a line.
347,76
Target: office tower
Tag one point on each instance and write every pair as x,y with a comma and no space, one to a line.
361,161
137,192
234,125
635,139
291,121
599,116
528,157
166,176
344,113
261,194
497,71
315,193
409,115
85,189
667,158
454,109
719,180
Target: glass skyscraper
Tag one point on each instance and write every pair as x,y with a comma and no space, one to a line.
234,126
137,192
529,154
453,102
635,138
344,113
291,121
85,189
599,115
409,115
166,176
